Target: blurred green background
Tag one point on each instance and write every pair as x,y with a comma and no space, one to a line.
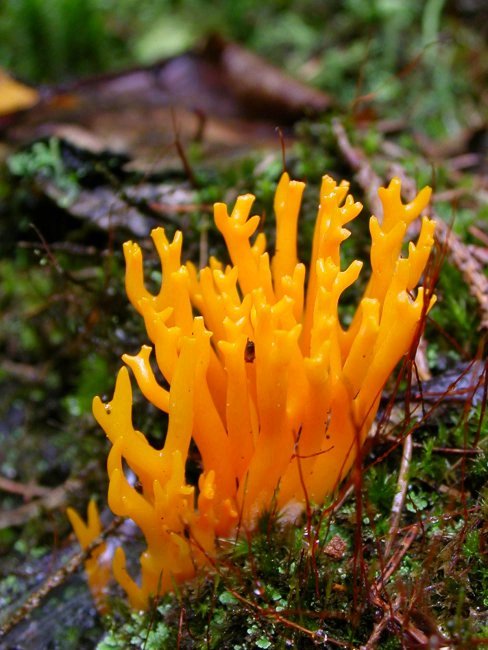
422,60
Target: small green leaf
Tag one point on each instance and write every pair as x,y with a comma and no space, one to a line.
416,502
226,598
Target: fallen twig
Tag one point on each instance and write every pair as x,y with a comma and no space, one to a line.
470,268
457,251
442,450
365,174
26,490
380,626
203,243
56,579
49,499
401,492
480,234
391,613
394,562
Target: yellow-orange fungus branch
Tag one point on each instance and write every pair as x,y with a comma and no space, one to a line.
275,393
98,572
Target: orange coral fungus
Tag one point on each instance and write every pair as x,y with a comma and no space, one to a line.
97,572
276,395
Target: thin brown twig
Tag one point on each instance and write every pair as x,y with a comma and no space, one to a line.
203,243
401,492
407,627
50,499
26,490
180,627
469,267
270,612
274,615
395,560
53,260
458,252
366,176
283,147
182,153
390,613
442,450
380,626
56,579
453,450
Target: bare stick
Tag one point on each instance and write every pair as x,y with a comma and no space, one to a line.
57,578
401,493
458,252
379,627
203,243
365,174
47,499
